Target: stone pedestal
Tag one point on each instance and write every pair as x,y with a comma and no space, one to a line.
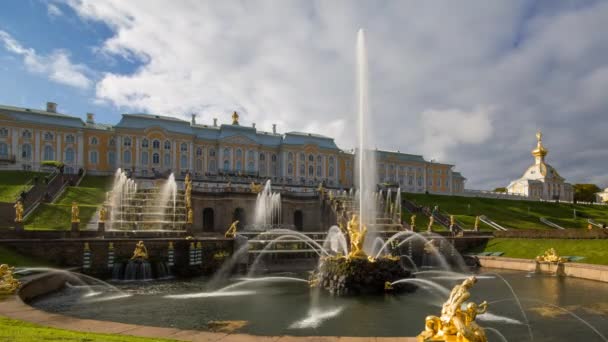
75,232
19,227
101,228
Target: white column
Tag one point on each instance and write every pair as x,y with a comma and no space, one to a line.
80,153
190,163
137,156
256,158
14,149
59,156
36,153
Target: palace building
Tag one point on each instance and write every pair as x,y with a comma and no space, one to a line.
541,180
149,145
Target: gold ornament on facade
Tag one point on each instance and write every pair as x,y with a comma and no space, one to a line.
550,256
140,252
8,283
231,232
456,323
357,238
75,213
256,188
102,214
18,212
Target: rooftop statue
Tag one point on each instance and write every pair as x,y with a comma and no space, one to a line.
231,232
8,284
140,252
357,238
456,323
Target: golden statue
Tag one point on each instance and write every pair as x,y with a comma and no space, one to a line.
321,189
476,227
187,179
256,188
430,226
413,220
102,214
190,216
456,323
75,212
18,212
357,238
140,252
8,284
452,220
235,118
551,256
231,232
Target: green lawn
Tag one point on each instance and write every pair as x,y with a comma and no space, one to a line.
512,214
12,183
594,251
20,331
12,258
89,195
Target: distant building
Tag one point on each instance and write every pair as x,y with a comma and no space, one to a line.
541,180
148,145
602,197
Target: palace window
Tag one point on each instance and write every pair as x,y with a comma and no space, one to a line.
273,158
331,171
183,147
48,136
3,149
439,182
420,179
127,141
319,159
3,132
69,155
251,167
167,160
144,158
239,166
302,157
290,156
144,143
199,152
311,171
226,153
26,134
112,142
26,151
183,162
239,153
167,145
93,157
69,139
126,157
311,158
155,144
410,180
112,158
212,166
49,153
155,158
290,169
262,156
199,164
211,152
250,155
302,170
93,141
262,169
319,171
226,165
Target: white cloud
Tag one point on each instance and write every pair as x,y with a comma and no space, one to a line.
53,10
292,63
56,66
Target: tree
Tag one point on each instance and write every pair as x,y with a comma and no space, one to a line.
585,192
503,189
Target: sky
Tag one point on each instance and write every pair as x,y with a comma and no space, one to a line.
461,82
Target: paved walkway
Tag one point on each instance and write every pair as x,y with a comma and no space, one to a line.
14,307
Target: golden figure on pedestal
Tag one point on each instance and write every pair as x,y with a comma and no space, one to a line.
430,226
476,227
140,252
413,221
231,232
18,212
8,284
75,213
455,323
357,238
102,214
551,256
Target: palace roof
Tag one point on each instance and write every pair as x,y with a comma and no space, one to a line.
41,117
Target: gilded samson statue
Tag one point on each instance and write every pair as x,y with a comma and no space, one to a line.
456,323
357,238
140,252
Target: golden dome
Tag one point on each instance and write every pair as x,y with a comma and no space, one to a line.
540,150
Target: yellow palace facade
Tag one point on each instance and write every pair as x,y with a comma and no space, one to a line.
152,145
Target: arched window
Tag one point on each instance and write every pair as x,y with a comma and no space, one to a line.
127,141
290,169
112,158
199,164
226,165
239,153
144,158
302,170
183,162
126,157
331,171
290,156
112,142
302,157
167,160
183,147
250,155
212,167
262,169
410,180
26,151
3,150
69,139
69,155
144,143
27,134
167,145
311,171
48,136
156,159
319,171
199,151
211,152
274,158
262,156
93,157
226,153
311,158
155,144
94,141
251,167
319,159
239,166
331,160
49,153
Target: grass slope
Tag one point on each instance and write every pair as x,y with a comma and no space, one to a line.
19,331
13,182
512,214
594,251
8,256
89,195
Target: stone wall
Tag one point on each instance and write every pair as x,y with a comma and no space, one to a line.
569,269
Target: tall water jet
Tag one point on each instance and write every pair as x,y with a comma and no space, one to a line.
267,208
365,173
168,196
